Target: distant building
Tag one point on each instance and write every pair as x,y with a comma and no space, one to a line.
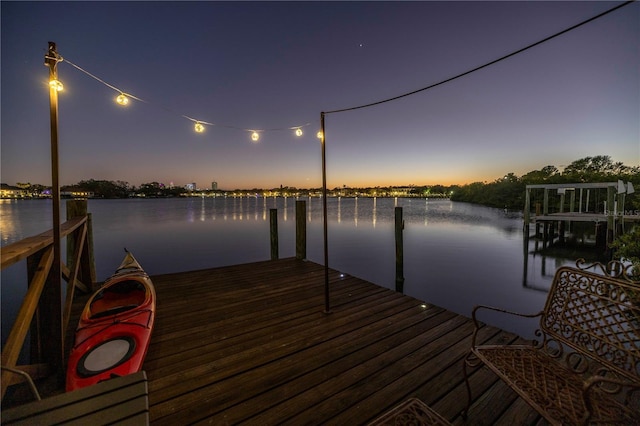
190,186
7,191
214,186
75,192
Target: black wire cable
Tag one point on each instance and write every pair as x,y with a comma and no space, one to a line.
485,65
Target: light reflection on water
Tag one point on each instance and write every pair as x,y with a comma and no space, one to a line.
456,255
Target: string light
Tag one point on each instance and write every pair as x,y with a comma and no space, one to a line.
320,135
56,84
122,99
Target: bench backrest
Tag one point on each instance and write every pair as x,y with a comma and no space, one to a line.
598,316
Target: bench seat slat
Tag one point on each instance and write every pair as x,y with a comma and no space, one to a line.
108,402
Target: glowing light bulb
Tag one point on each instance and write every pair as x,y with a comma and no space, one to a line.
298,132
320,135
199,127
122,99
255,136
56,84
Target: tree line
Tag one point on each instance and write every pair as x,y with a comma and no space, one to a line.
509,190
505,192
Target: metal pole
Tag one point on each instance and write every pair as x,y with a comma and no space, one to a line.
327,305
51,60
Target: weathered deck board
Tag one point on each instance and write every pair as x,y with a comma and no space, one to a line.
250,344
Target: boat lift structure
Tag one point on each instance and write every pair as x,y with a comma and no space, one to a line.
564,203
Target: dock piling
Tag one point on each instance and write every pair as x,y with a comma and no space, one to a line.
399,227
301,230
273,220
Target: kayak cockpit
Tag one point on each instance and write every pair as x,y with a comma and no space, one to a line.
117,298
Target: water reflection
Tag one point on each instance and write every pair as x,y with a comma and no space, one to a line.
375,211
456,254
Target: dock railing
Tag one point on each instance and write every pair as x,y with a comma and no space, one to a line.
42,312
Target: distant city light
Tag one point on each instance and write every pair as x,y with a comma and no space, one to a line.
56,84
123,100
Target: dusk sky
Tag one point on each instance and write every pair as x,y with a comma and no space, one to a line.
276,65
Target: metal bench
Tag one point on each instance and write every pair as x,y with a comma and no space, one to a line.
586,366
121,400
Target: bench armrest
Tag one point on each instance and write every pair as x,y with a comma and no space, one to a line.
476,323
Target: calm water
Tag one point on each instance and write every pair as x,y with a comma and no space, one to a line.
456,254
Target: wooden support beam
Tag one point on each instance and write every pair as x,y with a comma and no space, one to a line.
66,274
79,245
18,333
87,271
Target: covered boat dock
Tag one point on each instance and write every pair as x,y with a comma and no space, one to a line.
561,204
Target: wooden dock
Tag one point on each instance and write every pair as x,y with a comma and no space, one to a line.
251,344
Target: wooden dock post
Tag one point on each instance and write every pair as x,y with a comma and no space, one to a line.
611,219
301,230
527,211
78,208
49,306
399,227
527,207
273,220
545,202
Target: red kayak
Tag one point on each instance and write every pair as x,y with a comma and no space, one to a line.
114,329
